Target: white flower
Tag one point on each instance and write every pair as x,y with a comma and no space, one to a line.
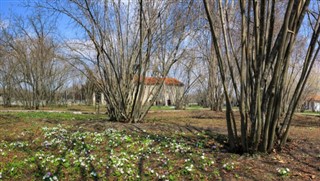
152,171
94,174
83,164
224,165
283,171
189,168
121,171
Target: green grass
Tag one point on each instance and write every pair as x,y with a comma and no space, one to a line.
309,113
83,108
54,115
158,108
194,107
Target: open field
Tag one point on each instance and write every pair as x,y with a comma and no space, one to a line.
170,145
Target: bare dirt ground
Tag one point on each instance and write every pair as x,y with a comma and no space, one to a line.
301,155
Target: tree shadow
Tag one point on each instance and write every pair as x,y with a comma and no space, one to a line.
312,162
206,138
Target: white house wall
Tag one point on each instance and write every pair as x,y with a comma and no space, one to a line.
167,92
316,106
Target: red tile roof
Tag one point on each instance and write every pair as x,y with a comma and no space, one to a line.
315,98
167,81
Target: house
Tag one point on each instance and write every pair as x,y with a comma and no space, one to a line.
171,91
313,103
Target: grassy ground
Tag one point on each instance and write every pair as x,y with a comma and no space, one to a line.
161,108
309,113
171,145
65,108
54,115
92,109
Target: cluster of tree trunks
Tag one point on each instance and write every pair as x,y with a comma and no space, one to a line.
262,65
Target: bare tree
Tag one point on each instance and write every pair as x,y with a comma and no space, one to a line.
263,67
189,70
126,39
35,72
6,68
213,90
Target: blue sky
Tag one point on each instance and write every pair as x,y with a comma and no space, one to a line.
9,7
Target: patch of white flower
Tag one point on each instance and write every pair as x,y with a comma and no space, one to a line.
189,167
283,171
228,166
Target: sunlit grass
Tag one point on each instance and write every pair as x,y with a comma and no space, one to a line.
83,108
310,113
193,107
54,115
156,108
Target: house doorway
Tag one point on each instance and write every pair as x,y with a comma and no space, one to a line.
169,102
